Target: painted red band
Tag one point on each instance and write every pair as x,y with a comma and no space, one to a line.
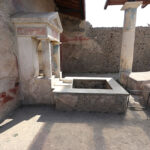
14,90
32,31
3,94
75,38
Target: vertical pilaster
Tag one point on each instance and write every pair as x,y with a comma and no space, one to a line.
56,60
46,54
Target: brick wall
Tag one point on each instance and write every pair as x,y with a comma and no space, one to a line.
97,50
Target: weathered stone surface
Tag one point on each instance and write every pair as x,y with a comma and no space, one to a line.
112,99
33,5
37,91
8,60
8,48
136,81
146,94
9,89
90,102
70,100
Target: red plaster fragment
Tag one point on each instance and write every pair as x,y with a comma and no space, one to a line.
3,94
7,99
31,31
14,90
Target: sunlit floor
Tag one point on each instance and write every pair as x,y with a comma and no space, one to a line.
43,128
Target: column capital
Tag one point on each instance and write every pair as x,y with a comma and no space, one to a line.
55,43
129,5
42,39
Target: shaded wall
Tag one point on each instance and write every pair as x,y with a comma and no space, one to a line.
97,50
9,98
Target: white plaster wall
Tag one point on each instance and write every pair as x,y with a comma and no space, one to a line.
8,61
33,5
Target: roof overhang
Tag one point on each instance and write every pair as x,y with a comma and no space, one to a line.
122,2
75,8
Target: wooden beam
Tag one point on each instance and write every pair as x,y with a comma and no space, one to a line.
121,2
72,7
106,4
82,8
145,3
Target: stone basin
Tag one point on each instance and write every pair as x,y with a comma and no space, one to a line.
91,94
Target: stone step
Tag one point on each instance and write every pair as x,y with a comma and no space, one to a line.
136,81
65,80
146,94
136,102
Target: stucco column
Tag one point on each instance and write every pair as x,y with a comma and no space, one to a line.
56,60
46,55
128,37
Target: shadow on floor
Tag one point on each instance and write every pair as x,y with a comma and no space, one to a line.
82,130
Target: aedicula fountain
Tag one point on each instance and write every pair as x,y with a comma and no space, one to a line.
38,37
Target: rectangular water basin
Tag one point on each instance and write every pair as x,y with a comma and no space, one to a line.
91,84
91,94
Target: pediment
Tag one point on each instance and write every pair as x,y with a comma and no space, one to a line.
43,18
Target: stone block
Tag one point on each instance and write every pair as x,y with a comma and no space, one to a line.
37,91
82,98
145,93
91,103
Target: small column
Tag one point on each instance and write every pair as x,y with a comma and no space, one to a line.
56,59
128,38
46,55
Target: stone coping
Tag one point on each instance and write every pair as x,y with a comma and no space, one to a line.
133,4
116,88
140,76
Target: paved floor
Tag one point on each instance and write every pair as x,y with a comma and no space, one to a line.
43,128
